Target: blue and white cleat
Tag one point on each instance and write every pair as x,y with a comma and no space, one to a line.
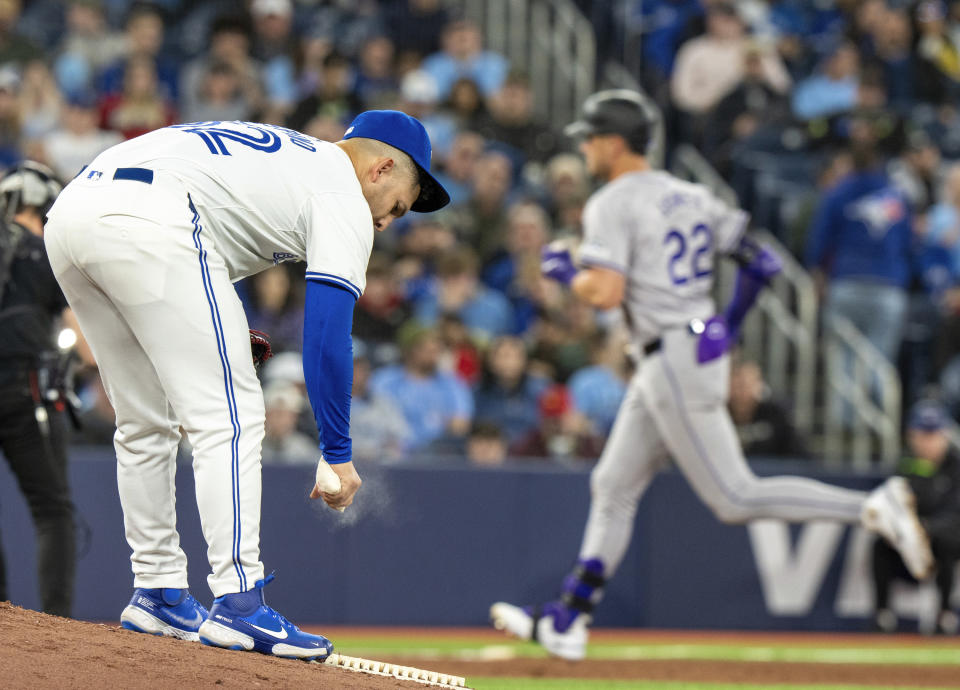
167,611
560,630
890,510
562,626
244,622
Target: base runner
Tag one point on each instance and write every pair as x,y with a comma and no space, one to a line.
650,244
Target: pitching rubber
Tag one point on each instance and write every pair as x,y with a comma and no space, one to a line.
378,668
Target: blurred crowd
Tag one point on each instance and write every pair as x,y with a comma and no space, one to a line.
837,124
461,348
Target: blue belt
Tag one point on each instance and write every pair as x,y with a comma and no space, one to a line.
135,174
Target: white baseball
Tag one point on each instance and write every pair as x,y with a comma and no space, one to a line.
327,480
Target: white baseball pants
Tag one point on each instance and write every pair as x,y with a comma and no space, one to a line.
676,407
156,304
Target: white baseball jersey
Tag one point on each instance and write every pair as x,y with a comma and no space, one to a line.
145,243
267,194
663,234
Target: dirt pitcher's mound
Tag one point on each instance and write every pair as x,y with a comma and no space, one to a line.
41,651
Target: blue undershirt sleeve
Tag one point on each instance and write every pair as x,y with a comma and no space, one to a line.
328,365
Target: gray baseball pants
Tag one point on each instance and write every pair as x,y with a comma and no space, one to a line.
675,407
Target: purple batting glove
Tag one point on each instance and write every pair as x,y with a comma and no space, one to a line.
715,340
557,264
765,265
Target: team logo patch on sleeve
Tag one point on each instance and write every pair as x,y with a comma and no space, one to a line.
280,257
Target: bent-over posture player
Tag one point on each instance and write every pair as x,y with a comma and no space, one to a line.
146,242
650,243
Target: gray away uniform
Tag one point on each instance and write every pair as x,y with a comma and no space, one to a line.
664,235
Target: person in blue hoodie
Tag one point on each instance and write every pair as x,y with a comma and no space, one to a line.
860,245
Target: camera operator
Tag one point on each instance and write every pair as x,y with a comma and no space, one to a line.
33,394
933,470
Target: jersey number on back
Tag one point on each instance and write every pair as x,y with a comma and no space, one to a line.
697,263
264,138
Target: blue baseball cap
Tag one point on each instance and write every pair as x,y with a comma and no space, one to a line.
927,415
82,98
403,132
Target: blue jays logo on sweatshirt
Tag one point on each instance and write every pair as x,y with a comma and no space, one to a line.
878,211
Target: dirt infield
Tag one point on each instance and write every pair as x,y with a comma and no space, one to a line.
40,651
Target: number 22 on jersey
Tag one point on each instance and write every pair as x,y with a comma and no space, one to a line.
692,257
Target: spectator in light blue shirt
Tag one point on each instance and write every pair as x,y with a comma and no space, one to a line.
435,403
598,389
833,91
457,290
463,56
461,161
379,430
943,222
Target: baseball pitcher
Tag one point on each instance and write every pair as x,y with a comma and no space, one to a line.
650,244
146,242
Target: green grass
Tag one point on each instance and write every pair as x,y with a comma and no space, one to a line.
439,648
467,648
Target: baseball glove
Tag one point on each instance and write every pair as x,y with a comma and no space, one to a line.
260,347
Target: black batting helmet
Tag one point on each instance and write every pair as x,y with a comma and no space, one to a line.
617,111
28,184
